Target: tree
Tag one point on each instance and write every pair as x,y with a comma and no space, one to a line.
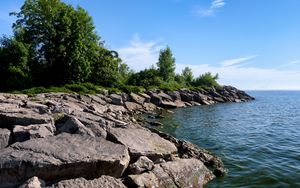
14,69
187,75
166,64
62,40
145,78
207,79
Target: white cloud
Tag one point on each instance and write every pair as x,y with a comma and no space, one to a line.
139,54
237,61
214,6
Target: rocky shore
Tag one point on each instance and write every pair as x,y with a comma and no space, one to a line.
70,140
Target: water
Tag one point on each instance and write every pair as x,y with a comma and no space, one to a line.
259,141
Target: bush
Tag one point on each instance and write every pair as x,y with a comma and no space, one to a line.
132,89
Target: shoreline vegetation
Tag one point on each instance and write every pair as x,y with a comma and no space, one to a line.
67,111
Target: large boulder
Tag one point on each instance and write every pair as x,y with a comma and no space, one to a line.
136,98
5,138
178,173
116,99
23,133
103,182
142,142
64,156
156,99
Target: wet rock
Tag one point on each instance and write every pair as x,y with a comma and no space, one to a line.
103,182
34,182
136,98
141,165
5,138
142,142
179,173
116,99
64,156
23,133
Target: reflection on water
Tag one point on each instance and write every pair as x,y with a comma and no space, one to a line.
259,141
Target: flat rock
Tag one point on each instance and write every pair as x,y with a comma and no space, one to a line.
179,173
23,133
132,106
142,142
64,156
103,182
23,117
5,138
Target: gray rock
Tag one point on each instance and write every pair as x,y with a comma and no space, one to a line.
142,142
64,156
168,104
175,95
23,117
141,165
132,106
103,182
34,182
116,99
145,96
74,126
156,99
179,173
136,98
5,138
165,96
41,108
186,97
149,107
23,133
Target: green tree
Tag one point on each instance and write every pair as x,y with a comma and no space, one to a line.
166,65
14,69
62,40
145,78
187,75
207,79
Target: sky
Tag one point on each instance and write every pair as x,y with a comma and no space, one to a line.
251,44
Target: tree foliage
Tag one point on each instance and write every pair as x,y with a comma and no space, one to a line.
207,79
187,75
166,64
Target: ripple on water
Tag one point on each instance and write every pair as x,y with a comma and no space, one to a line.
259,141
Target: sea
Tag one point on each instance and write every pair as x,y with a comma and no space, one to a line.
258,141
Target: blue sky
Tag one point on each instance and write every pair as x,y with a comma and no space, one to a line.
252,44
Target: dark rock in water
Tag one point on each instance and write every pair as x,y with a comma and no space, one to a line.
62,157
103,182
179,173
141,165
5,138
23,133
116,99
142,142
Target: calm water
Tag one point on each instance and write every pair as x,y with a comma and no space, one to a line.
259,141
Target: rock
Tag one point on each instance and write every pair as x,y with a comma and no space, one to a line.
195,103
132,106
23,133
179,173
64,156
186,97
155,123
175,95
97,99
41,108
74,126
160,160
165,96
145,96
145,143
102,182
219,99
168,104
156,99
179,103
23,117
34,182
141,165
136,98
149,107
5,138
98,108
116,99
116,108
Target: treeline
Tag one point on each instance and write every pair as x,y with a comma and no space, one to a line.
54,44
